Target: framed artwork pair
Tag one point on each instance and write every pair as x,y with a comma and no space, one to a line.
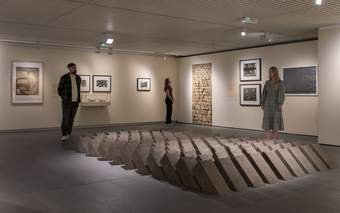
250,70
100,83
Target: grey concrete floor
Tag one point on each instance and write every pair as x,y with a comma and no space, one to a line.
38,175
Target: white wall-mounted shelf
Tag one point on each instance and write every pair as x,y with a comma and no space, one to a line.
95,104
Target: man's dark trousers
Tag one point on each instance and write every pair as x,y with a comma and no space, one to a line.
69,112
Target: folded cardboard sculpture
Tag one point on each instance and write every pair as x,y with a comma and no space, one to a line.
169,162
209,178
184,168
213,165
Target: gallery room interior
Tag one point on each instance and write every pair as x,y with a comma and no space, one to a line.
169,106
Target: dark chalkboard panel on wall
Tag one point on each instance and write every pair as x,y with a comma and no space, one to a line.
301,80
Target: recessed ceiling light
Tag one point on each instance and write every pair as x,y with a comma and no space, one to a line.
318,2
109,41
243,33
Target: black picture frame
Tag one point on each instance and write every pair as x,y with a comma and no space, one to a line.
143,90
259,78
259,95
100,91
89,78
301,81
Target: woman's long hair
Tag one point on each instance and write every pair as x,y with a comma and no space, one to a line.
275,78
166,83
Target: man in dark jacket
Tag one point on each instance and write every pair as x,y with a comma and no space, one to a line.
69,91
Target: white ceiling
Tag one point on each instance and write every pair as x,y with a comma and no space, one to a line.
178,27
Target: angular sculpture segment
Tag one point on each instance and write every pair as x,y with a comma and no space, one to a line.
323,156
154,164
93,147
184,169
242,163
286,157
260,164
301,159
213,165
231,174
275,162
169,162
126,151
139,159
313,158
209,178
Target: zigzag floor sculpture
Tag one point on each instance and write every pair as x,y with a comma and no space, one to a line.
213,165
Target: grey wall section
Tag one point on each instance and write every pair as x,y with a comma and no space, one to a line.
128,105
300,113
329,121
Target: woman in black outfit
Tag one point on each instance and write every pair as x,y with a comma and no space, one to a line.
169,100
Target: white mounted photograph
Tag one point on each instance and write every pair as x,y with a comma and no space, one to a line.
85,83
101,83
250,70
144,84
27,82
250,94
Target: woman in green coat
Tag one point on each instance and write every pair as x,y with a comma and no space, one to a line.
273,97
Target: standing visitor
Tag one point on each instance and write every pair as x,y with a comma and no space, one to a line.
169,100
69,91
272,99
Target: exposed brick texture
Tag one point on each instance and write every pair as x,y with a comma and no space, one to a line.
201,94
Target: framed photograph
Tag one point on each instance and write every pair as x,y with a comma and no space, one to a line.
250,94
27,82
250,70
101,83
144,84
301,81
85,83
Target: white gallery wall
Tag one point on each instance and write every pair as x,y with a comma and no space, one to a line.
300,113
127,105
329,82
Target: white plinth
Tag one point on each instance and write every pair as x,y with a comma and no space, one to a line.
95,104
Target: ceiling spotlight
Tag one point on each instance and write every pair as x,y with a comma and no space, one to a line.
109,40
243,33
318,2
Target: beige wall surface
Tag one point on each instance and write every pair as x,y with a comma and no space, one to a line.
300,113
127,105
329,78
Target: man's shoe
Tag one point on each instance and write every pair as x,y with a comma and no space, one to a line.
63,138
67,137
